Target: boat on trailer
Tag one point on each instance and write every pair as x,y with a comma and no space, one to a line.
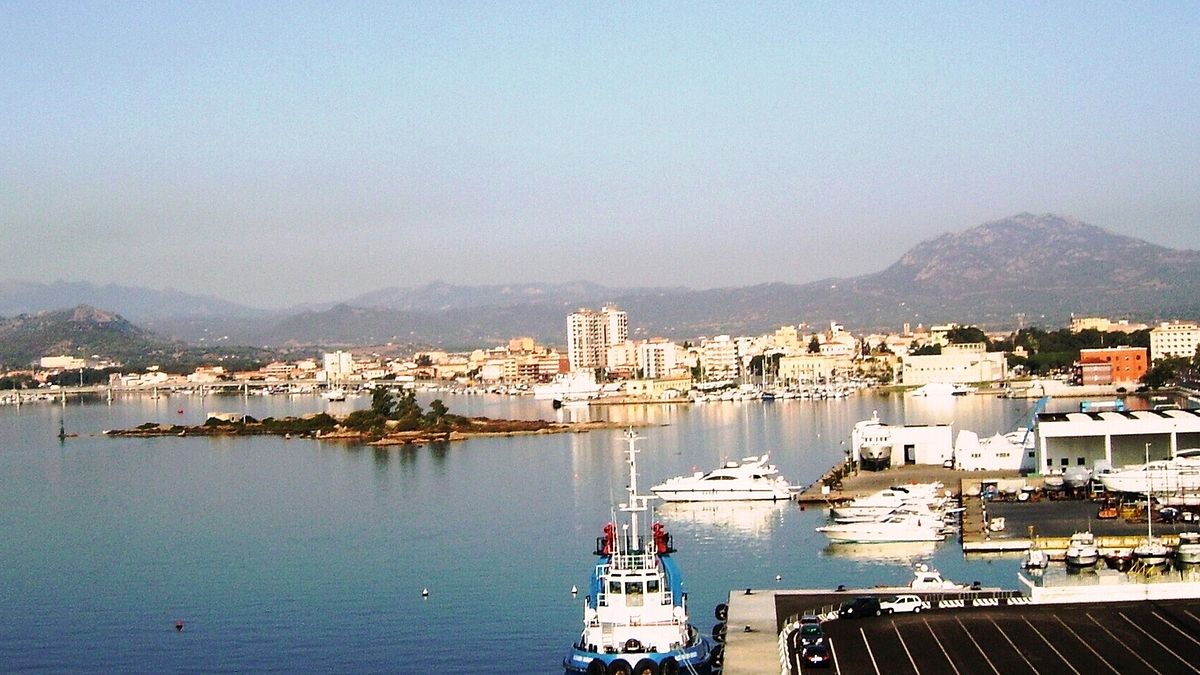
635,617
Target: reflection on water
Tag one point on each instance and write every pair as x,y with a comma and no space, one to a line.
892,552
753,518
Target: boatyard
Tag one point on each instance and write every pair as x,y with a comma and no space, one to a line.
1131,615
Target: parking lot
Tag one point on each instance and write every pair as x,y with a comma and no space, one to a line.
1083,639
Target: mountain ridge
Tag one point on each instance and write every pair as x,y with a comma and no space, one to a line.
1024,268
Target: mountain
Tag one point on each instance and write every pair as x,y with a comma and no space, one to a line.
1038,269
137,303
82,331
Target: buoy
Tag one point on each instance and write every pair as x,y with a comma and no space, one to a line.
179,625
574,591
778,577
424,592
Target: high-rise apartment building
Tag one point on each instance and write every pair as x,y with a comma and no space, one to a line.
1174,339
590,334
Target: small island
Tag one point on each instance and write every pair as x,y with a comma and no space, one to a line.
391,420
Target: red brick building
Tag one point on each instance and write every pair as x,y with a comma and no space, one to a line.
1128,364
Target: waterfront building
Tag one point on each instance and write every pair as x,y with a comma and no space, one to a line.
808,368
657,389
1125,364
958,363
902,443
1172,339
1115,438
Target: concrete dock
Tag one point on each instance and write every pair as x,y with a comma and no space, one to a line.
987,636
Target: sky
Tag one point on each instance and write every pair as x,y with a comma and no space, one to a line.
279,153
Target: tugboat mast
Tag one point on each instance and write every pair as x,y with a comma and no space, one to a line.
636,503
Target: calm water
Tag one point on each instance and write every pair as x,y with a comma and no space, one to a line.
297,555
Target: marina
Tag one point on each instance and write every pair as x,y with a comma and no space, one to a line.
403,512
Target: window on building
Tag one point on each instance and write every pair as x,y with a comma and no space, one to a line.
1066,461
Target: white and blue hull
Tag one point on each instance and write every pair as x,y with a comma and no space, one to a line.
696,658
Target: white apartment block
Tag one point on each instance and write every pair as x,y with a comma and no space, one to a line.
589,334
808,368
658,358
719,358
1174,339
339,366
624,355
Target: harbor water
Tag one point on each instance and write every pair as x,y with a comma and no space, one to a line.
287,555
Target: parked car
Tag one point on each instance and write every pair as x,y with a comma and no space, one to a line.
811,634
810,618
903,603
865,605
816,655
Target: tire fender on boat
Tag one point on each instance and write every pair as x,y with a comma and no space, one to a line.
719,631
722,612
645,667
619,667
597,667
669,666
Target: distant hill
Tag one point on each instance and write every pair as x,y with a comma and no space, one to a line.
1033,268
137,303
82,331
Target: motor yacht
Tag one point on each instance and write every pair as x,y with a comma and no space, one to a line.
1178,475
754,478
1082,550
890,528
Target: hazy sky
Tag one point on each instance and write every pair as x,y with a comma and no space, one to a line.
276,153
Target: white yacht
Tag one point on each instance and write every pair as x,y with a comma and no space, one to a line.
751,479
927,578
885,501
890,528
1178,475
874,441
1082,550
334,394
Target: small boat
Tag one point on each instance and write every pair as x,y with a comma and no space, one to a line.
635,618
927,578
752,479
1082,550
1188,551
334,395
1035,558
1151,552
1076,477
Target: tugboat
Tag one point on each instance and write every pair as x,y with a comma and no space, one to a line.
635,620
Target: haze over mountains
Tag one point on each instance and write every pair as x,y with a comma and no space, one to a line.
1030,268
